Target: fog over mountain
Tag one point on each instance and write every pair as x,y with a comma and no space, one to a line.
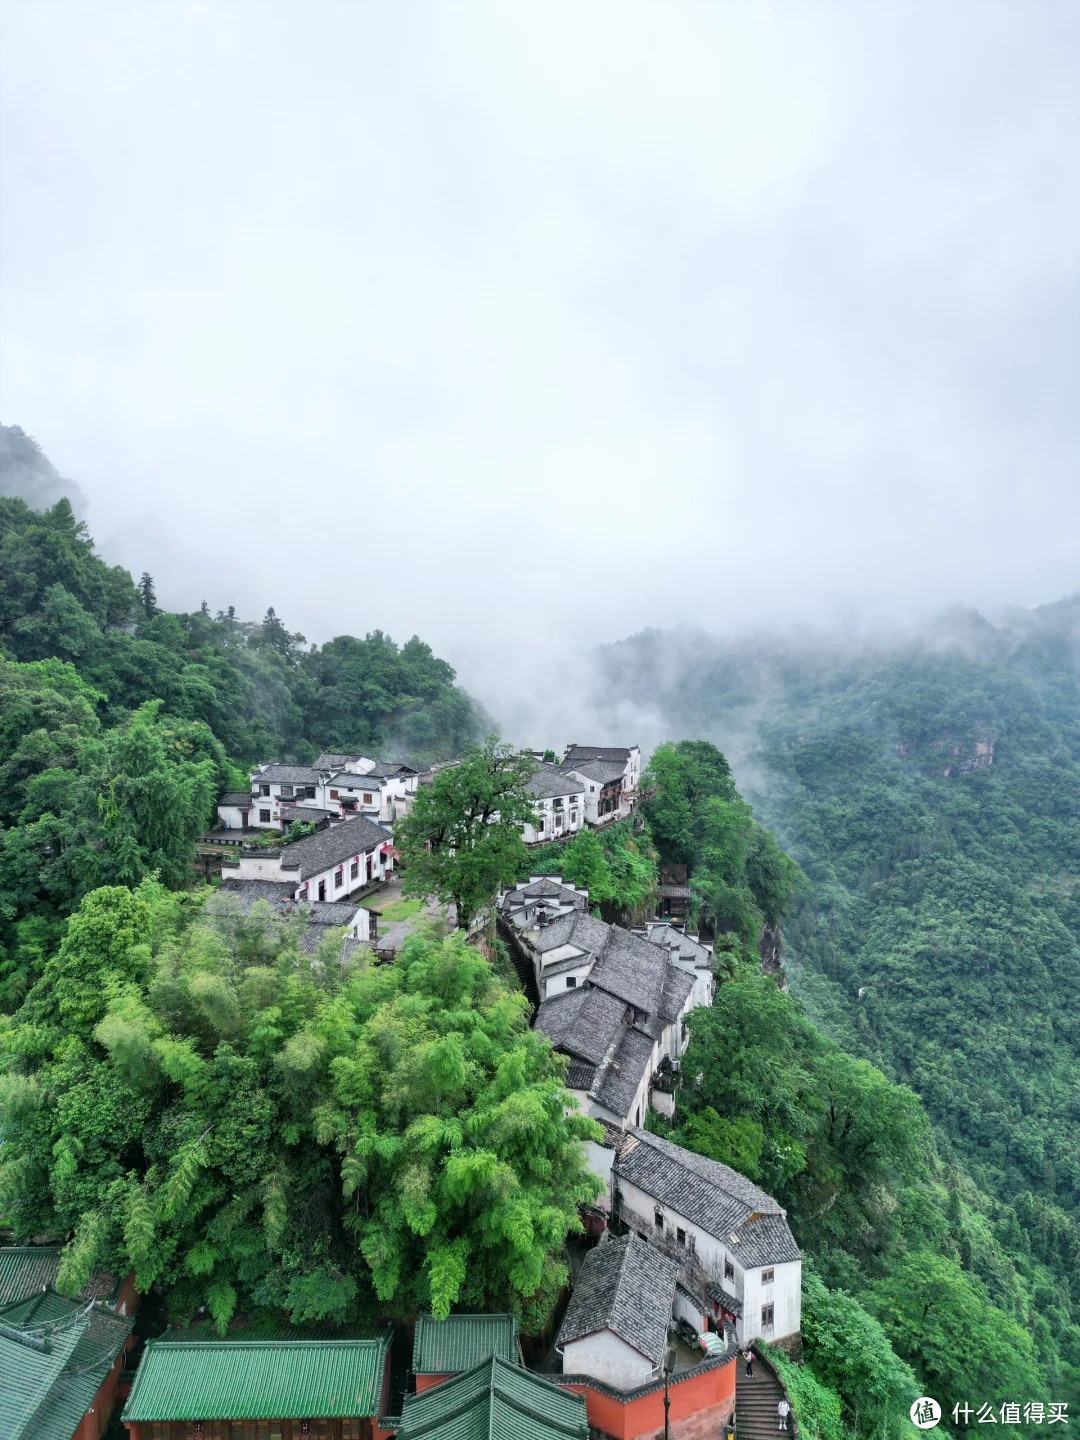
526,331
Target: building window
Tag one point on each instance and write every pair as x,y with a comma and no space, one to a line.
303,891
729,1270
264,816
339,877
333,795
264,789
680,1235
322,889
767,1276
286,792
571,981
309,792
354,870
659,1218
367,799
766,1317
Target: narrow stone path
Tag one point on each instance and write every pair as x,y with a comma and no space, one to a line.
756,1415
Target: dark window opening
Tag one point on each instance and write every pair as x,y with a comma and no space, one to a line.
729,1270
767,1276
571,982
680,1235
264,816
659,1217
766,1317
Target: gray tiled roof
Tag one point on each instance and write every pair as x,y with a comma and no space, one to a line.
390,769
628,1287
547,783
236,897
580,929
286,775
619,1076
347,781
334,762
686,946
600,772
549,887
631,968
559,967
237,797
619,753
580,1075
332,847
711,1195
310,814
582,1022
677,986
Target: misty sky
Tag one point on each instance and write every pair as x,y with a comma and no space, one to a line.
510,322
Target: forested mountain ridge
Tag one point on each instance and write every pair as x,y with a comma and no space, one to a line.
121,723
930,790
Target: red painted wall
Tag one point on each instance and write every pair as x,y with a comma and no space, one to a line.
96,1420
627,1419
428,1382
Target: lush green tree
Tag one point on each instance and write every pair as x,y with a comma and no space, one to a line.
938,1319
740,878
262,692
617,864
850,1353
245,1127
111,808
586,865
461,842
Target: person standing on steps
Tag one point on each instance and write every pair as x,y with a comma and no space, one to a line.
784,1410
748,1356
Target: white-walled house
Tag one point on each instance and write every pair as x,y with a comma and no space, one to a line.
602,784
620,1020
739,1260
234,809
328,865
383,789
560,805
626,757
539,899
616,1325
689,953
273,785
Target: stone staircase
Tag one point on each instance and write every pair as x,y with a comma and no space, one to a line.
756,1415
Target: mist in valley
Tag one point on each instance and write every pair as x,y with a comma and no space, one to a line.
741,318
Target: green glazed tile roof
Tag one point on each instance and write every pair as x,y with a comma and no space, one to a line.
54,1355
494,1401
258,1379
446,1347
28,1269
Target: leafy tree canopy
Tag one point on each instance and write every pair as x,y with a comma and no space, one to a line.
461,841
246,1127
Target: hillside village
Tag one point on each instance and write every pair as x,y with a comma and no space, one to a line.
684,1262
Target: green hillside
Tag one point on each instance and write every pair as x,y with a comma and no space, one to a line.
930,789
121,724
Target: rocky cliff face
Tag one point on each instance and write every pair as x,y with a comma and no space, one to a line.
771,950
